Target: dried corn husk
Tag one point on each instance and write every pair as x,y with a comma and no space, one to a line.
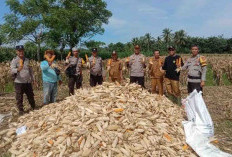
106,120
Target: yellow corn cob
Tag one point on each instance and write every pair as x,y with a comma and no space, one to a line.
109,62
86,57
118,110
127,59
21,62
185,147
82,61
167,137
69,54
51,142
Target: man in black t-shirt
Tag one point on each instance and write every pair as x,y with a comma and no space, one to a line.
171,64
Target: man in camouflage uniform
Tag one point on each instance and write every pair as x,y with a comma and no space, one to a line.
156,74
74,64
171,64
23,78
114,67
197,67
96,68
136,63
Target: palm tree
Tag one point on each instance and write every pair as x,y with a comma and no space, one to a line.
167,35
148,40
135,41
180,38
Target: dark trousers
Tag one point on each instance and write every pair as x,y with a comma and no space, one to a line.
139,80
94,80
20,89
192,86
75,79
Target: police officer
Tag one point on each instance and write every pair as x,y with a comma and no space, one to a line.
96,68
114,67
156,74
197,67
23,77
136,63
171,64
74,64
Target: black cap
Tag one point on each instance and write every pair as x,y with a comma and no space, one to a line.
171,48
94,49
19,47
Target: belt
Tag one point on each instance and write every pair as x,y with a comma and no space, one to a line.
194,77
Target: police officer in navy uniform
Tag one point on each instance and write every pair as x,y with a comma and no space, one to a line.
197,67
23,79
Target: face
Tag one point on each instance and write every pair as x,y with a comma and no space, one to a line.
137,51
75,53
172,52
195,50
94,54
114,57
49,55
156,54
20,53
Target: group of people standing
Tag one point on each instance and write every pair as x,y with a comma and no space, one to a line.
162,71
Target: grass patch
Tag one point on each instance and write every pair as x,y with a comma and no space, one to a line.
210,81
9,87
225,80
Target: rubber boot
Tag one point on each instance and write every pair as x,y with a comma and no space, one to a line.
179,101
171,98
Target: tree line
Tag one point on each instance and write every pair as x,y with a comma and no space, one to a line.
63,24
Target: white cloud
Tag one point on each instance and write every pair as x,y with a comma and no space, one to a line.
116,23
148,10
187,8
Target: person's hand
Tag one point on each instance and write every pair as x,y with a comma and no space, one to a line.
202,83
49,63
20,68
108,68
163,71
178,69
60,82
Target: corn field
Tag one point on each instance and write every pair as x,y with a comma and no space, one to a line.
221,65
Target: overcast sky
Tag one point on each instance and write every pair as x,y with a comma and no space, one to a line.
134,18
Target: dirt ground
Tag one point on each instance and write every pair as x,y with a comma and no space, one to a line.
218,100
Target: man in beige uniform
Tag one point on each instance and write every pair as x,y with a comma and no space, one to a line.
156,73
114,66
23,77
96,69
136,63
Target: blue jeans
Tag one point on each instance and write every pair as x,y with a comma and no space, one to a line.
49,92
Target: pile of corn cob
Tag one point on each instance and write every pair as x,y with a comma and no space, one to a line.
108,120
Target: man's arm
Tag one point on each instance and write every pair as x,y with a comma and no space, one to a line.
164,67
185,66
13,67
